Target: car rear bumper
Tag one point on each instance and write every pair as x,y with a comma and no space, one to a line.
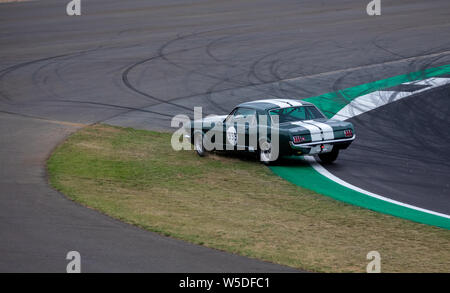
321,146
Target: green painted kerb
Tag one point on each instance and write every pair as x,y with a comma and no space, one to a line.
331,103
304,175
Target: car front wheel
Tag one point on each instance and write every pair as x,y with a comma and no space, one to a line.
198,144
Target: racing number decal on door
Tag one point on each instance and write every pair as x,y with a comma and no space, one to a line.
231,135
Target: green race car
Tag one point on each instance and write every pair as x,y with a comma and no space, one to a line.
273,128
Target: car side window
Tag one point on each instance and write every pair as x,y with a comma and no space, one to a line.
243,115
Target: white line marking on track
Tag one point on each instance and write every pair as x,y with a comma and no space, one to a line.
367,103
377,99
324,172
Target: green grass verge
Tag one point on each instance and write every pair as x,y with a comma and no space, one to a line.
234,204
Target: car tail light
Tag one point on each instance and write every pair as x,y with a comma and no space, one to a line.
348,133
299,139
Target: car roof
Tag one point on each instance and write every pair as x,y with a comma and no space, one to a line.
270,104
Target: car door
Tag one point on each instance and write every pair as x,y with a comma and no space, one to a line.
237,128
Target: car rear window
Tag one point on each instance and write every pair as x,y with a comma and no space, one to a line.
292,114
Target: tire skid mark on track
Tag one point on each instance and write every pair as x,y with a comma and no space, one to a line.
163,55
15,67
240,84
212,44
65,123
127,108
60,99
49,60
290,80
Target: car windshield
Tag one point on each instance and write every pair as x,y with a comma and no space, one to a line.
299,113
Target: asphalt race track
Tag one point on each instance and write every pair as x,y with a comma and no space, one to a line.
401,151
139,63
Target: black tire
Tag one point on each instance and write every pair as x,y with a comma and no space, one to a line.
330,157
264,153
198,144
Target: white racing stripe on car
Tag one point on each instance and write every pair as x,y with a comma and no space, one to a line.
291,102
320,169
313,130
326,129
275,102
377,99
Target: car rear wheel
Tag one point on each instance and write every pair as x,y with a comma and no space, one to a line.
198,144
329,157
266,155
